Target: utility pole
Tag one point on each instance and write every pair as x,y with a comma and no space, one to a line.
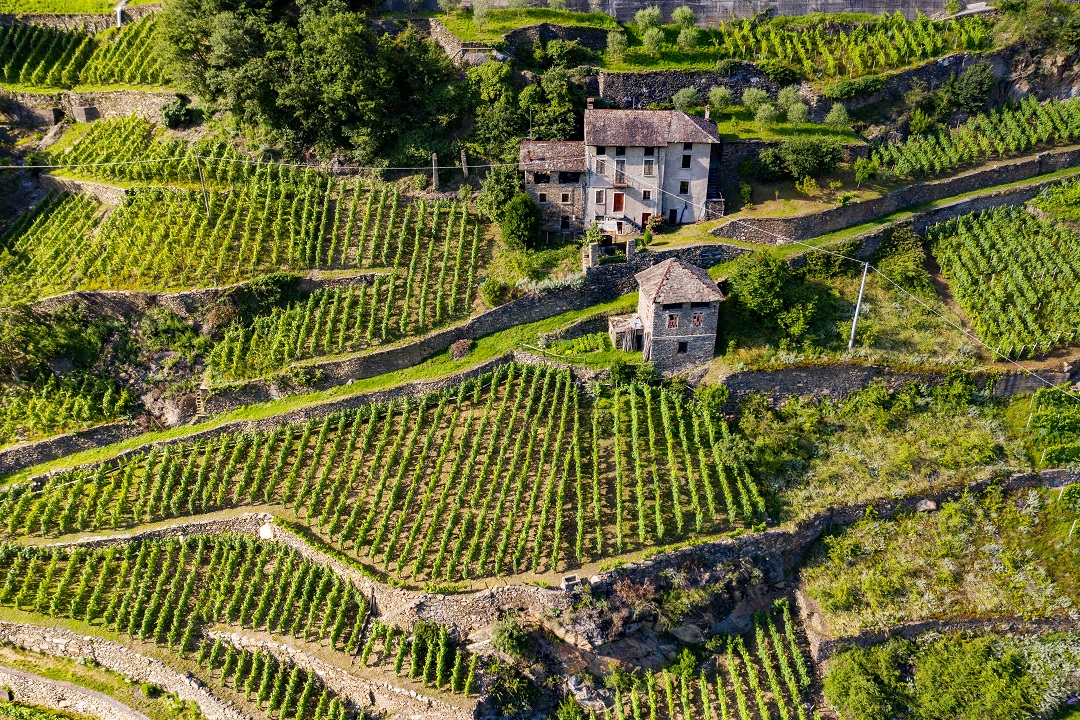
858,306
464,163
202,184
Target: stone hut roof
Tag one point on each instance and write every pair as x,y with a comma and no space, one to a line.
674,281
539,156
646,128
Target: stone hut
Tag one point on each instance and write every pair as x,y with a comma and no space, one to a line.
678,307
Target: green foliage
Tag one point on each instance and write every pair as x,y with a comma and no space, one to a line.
493,292
162,329
683,16
801,157
689,38
753,98
511,638
175,113
865,169
758,283
954,678
510,692
837,117
648,17
778,71
501,185
720,98
554,106
848,88
970,90
652,40
766,114
616,44
902,258
686,99
521,222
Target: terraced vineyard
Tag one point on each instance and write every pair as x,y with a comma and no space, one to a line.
983,138
1015,276
512,473
764,677
44,57
427,654
161,238
1055,420
58,404
169,591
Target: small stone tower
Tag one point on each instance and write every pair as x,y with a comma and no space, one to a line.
679,306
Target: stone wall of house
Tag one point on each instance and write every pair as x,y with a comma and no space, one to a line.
803,227
67,697
37,108
120,659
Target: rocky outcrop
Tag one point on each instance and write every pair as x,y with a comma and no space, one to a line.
120,659
35,690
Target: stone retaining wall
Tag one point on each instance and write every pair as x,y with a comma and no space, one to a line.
105,194
37,108
594,39
118,658
363,692
35,690
88,23
18,457
804,227
639,89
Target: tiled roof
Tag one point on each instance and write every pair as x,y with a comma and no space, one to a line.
674,281
536,155
646,128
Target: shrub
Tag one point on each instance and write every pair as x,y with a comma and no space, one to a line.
653,40
726,66
686,99
509,637
766,114
557,4
787,97
920,123
720,98
953,6
493,292
800,157
864,683
745,192
460,348
753,98
481,10
798,113
865,169
850,88
688,38
521,222
838,118
684,16
498,189
778,72
616,44
175,113
649,17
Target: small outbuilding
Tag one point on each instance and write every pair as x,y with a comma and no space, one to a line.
678,312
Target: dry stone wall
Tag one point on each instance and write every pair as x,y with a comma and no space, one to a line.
118,658
639,89
384,696
88,23
17,457
106,194
769,231
35,690
37,108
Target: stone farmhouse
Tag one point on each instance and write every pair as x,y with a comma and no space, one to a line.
632,165
677,317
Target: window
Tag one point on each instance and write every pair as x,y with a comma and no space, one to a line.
684,187
673,306
565,223
543,198
699,319
648,167
566,197
620,173
700,304
541,178
601,167
687,147
649,151
672,320
620,150
646,194
683,347
599,197
569,178
601,150
686,161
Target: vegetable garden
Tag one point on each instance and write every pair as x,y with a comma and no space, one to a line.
983,138
1015,276
762,678
45,57
514,472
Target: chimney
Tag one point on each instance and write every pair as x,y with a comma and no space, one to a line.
706,112
590,103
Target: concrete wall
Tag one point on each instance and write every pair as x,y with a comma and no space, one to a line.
803,227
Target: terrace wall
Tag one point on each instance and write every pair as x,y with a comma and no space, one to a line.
38,108
36,690
88,23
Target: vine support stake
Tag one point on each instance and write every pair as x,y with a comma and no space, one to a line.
858,306
202,184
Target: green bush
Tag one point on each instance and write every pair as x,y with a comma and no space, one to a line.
521,222
778,72
493,292
850,88
649,17
683,16
653,40
686,99
800,157
720,98
838,118
175,113
510,637
616,44
753,98
865,683
500,186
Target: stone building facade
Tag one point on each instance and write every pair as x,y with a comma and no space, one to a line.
677,317
555,178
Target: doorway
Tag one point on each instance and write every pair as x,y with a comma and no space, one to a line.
673,217
616,202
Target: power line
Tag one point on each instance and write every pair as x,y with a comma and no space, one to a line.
249,161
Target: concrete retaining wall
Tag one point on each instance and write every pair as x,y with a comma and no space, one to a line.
118,658
803,227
